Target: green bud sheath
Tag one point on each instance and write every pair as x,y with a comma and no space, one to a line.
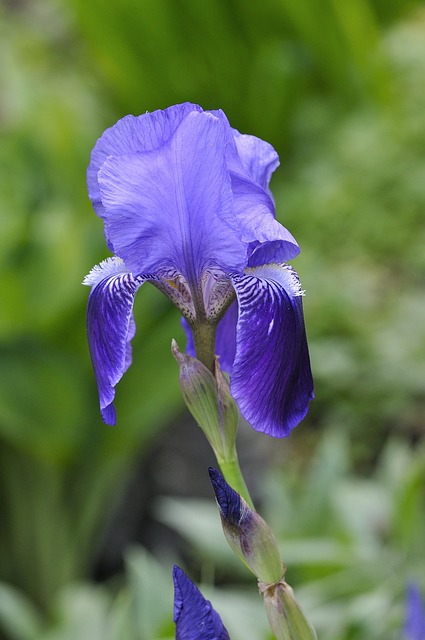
284,614
247,533
199,391
228,413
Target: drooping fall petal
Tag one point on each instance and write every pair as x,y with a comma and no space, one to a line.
271,376
110,327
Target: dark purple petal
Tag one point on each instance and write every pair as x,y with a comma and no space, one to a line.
228,500
173,207
133,134
194,616
414,628
110,327
190,345
225,340
271,378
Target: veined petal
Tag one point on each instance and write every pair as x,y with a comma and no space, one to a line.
110,327
194,616
258,157
173,207
254,209
251,162
249,155
133,134
271,378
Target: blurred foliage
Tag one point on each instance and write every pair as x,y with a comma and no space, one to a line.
350,543
337,88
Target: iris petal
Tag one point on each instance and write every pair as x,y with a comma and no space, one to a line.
414,627
225,341
258,157
110,327
173,208
271,377
251,162
254,209
194,616
133,134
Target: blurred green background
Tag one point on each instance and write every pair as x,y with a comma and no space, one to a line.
338,88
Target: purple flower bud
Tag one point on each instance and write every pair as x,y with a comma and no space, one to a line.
194,616
247,533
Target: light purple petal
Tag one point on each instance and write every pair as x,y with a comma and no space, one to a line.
254,210
110,327
194,616
258,158
133,134
249,155
173,208
251,162
414,628
271,378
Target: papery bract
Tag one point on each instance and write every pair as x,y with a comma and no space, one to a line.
186,205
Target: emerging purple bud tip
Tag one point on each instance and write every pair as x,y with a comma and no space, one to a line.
227,498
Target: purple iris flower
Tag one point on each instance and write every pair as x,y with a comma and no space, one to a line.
186,205
414,628
194,616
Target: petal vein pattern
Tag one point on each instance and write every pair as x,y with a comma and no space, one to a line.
271,378
173,207
133,134
185,198
110,328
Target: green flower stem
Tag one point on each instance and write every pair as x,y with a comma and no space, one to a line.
204,341
233,475
284,614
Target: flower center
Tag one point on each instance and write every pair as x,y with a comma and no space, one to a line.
202,304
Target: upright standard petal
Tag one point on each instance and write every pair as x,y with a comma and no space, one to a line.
173,208
271,378
110,327
254,210
257,157
249,155
194,616
133,134
251,162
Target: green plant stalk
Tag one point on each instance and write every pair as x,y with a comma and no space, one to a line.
285,616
